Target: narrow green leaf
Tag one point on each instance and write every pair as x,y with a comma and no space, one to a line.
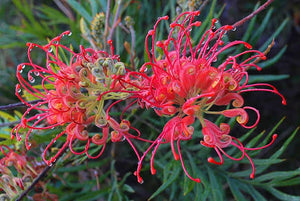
246,173
278,175
103,4
91,164
248,32
274,35
257,196
174,189
216,187
268,161
285,145
220,11
274,59
8,142
250,27
18,114
174,174
288,182
202,193
4,136
81,10
207,20
254,140
94,7
55,15
266,78
188,184
282,196
91,195
195,168
128,188
7,116
146,58
267,138
245,136
235,189
258,32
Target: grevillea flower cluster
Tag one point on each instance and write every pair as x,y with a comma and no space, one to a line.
72,95
184,83
27,169
187,85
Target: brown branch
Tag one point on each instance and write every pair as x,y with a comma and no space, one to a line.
116,21
9,123
132,52
107,14
124,28
242,21
14,105
35,181
203,5
65,9
39,177
265,53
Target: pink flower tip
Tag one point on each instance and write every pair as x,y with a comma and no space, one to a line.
66,32
197,24
153,171
197,180
109,42
228,27
274,137
252,176
27,146
159,44
24,122
211,160
151,32
176,157
140,180
165,17
263,57
143,69
20,67
283,102
247,45
197,12
172,25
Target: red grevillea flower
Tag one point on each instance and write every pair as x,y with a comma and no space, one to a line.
185,83
72,96
28,169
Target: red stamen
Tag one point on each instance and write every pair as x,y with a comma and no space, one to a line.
183,166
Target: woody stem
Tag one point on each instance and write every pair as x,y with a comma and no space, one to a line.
242,21
40,176
14,105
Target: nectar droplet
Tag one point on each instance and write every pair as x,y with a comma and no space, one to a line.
32,80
